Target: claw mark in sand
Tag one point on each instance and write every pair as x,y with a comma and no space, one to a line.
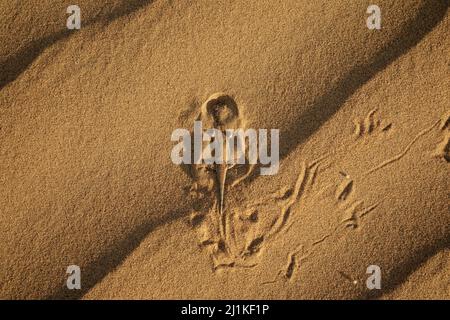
344,189
369,122
293,263
304,181
366,126
369,125
355,212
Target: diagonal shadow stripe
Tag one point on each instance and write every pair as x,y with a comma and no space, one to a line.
325,106
402,271
112,258
14,66
429,15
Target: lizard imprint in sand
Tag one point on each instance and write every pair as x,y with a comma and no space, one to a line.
211,217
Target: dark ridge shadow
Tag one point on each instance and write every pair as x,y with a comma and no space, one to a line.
402,271
325,106
13,67
128,7
111,259
429,15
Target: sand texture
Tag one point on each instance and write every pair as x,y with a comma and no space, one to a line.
86,118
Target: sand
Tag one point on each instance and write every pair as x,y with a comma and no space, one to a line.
85,125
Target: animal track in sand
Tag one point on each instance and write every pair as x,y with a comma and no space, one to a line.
344,189
354,212
338,197
405,150
236,237
369,125
241,234
443,148
343,198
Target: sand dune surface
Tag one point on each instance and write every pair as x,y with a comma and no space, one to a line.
86,118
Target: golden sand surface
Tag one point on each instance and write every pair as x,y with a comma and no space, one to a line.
86,118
